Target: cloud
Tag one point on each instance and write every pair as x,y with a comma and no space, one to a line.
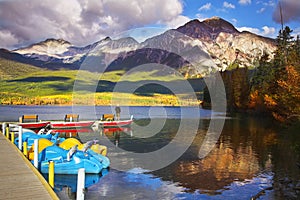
201,17
289,9
80,22
8,38
264,31
261,10
234,21
264,5
270,3
244,2
205,7
228,5
178,21
268,31
250,29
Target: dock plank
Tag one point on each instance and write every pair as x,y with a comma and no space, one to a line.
18,178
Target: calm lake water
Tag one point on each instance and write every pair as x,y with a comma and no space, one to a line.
253,157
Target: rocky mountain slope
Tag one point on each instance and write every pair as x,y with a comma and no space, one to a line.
224,43
213,44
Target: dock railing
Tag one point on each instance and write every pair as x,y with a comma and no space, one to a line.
9,130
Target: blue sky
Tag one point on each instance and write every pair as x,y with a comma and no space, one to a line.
83,22
253,15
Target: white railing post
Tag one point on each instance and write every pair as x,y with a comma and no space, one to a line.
36,153
13,127
80,184
20,138
3,128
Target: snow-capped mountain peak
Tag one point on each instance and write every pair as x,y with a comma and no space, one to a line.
50,47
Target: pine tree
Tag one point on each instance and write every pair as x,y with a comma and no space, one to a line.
284,41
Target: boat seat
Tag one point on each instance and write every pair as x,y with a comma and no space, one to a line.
108,117
29,118
72,117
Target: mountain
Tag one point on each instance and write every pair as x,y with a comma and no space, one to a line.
48,48
195,48
207,30
225,44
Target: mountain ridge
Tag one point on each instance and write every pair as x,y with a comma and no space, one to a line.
216,37
207,29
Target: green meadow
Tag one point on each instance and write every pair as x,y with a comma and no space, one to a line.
23,84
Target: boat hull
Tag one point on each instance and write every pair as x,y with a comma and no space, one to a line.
115,123
91,163
69,125
34,125
72,167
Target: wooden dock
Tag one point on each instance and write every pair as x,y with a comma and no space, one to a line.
19,179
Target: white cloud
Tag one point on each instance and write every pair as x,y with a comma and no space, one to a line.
268,31
178,21
264,31
80,22
228,5
261,10
269,3
200,17
244,2
205,7
250,29
234,21
266,4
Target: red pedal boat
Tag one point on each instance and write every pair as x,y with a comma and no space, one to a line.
68,125
34,125
115,123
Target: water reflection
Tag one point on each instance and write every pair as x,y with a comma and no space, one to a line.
116,133
66,185
133,184
252,158
112,130
219,169
73,132
247,150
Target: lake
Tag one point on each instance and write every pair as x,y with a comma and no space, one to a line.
251,158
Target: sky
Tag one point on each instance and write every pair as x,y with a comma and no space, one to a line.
83,22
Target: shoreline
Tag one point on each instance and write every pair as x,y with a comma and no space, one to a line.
193,104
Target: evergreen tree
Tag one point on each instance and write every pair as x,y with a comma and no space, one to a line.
284,40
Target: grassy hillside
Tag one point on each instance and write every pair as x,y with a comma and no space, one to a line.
29,85
10,69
